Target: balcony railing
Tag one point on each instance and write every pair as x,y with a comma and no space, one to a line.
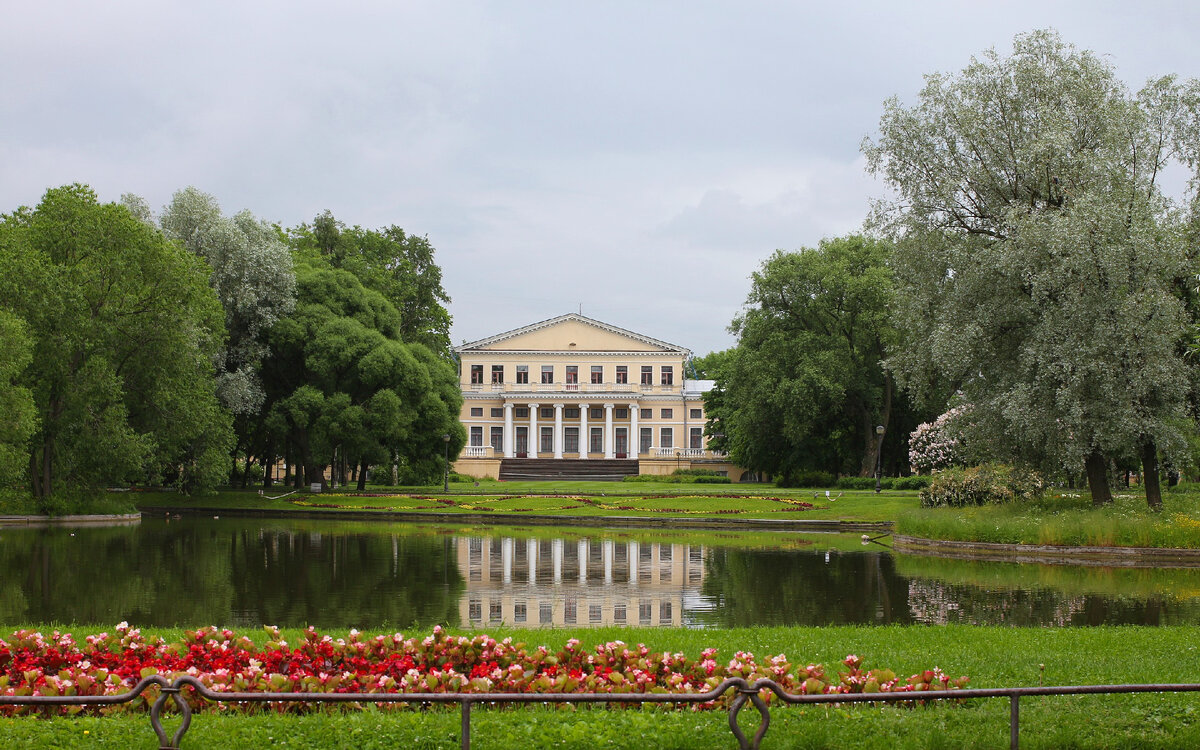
478,451
571,388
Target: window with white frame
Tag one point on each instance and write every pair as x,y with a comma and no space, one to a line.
571,439
622,374
476,374
596,444
521,412
523,374
696,437
498,439
497,411
644,439
476,411
547,443
694,414
497,373
666,437
647,375
571,412
667,413
646,414
668,375
547,374
572,374
597,374
595,413
620,413
477,436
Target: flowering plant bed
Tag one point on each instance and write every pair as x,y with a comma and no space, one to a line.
111,664
571,502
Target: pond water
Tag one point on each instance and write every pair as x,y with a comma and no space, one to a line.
371,575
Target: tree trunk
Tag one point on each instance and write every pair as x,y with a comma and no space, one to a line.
872,444
35,479
1150,475
1097,476
362,476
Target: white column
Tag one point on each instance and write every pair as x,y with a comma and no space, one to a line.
608,431
633,548
534,437
558,430
585,437
506,558
583,560
556,552
635,437
531,554
607,553
510,441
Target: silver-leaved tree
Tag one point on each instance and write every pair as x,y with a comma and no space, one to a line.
1039,265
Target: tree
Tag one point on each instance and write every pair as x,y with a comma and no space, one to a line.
18,418
124,328
805,388
398,265
1037,258
345,390
252,276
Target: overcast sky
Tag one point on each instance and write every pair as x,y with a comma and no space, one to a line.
636,160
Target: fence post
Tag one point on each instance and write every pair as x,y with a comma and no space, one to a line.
1014,721
466,724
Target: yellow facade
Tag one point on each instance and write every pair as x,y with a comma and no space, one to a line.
575,388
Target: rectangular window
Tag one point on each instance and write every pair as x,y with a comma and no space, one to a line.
664,612
476,374
523,374
497,373
571,412
668,413
545,613
647,375
547,445
519,611
666,438
647,435
498,439
495,610
521,412
622,375
570,610
696,437
474,610
572,374
547,374
694,414
595,413
597,374
620,414
570,439
619,613
498,411
597,442
546,412
476,411
645,610
668,375
647,414
595,613
477,436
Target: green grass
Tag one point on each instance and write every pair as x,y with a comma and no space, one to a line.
1066,518
558,498
992,657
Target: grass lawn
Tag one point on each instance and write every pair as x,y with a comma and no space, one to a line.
992,657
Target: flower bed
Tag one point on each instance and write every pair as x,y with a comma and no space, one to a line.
574,502
109,664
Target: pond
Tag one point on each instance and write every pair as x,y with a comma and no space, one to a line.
246,572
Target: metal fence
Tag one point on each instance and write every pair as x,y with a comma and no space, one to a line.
746,693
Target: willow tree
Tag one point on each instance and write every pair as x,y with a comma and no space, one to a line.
1037,257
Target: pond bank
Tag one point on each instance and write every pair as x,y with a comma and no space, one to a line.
123,519
1049,554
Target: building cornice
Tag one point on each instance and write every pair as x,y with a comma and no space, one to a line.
668,348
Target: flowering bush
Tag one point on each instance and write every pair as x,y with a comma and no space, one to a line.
938,444
110,664
989,484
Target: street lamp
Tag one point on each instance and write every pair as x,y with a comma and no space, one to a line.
878,458
446,473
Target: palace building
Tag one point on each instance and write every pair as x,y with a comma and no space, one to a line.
573,397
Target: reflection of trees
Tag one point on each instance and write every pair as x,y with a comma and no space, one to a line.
754,587
238,572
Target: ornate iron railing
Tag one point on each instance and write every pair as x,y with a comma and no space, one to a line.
746,692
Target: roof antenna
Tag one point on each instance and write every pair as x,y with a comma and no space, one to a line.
581,308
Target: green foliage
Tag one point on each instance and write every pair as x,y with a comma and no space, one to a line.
1037,262
988,484
398,265
862,483
806,479
18,415
914,482
804,388
681,476
124,330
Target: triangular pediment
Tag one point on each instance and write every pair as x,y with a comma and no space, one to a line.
571,333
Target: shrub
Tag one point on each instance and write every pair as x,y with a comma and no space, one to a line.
713,479
938,444
805,478
988,484
915,482
864,483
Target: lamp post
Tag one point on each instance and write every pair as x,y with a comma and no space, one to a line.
878,457
446,473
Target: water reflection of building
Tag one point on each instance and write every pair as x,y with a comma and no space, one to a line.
532,582
934,602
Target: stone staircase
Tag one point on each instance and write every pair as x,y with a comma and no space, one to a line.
551,469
